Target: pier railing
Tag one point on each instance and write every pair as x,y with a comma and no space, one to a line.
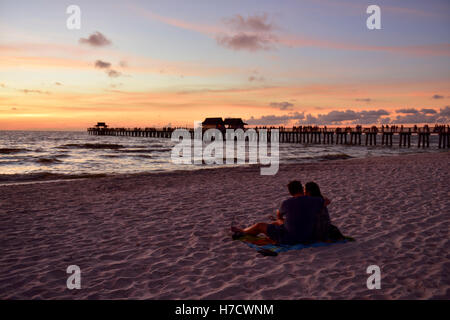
315,135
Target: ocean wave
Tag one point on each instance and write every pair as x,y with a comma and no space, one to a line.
134,150
12,150
143,150
62,155
323,157
92,146
48,160
45,176
110,156
145,156
161,150
337,156
156,145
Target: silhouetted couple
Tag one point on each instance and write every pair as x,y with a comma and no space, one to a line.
303,218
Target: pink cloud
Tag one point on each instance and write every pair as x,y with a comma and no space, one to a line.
442,49
197,27
97,39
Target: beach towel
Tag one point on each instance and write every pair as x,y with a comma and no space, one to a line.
268,247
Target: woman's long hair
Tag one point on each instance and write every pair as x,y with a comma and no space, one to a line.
313,189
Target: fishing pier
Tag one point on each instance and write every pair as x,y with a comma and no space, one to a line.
310,135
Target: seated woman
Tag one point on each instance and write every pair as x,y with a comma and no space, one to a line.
323,229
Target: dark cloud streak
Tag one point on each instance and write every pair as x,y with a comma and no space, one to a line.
35,91
107,67
96,39
244,41
347,116
275,120
351,117
254,33
407,111
102,64
113,73
256,23
282,105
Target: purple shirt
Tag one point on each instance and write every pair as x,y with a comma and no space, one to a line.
300,214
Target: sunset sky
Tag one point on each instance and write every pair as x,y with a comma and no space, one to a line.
155,63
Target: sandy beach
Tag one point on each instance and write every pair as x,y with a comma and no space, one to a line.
166,235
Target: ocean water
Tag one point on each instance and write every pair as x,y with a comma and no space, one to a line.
47,155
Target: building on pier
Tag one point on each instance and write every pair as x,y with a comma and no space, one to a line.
101,125
234,123
213,123
218,123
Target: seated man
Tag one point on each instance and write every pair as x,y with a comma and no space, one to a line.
295,219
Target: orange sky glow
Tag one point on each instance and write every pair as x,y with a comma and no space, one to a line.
179,69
